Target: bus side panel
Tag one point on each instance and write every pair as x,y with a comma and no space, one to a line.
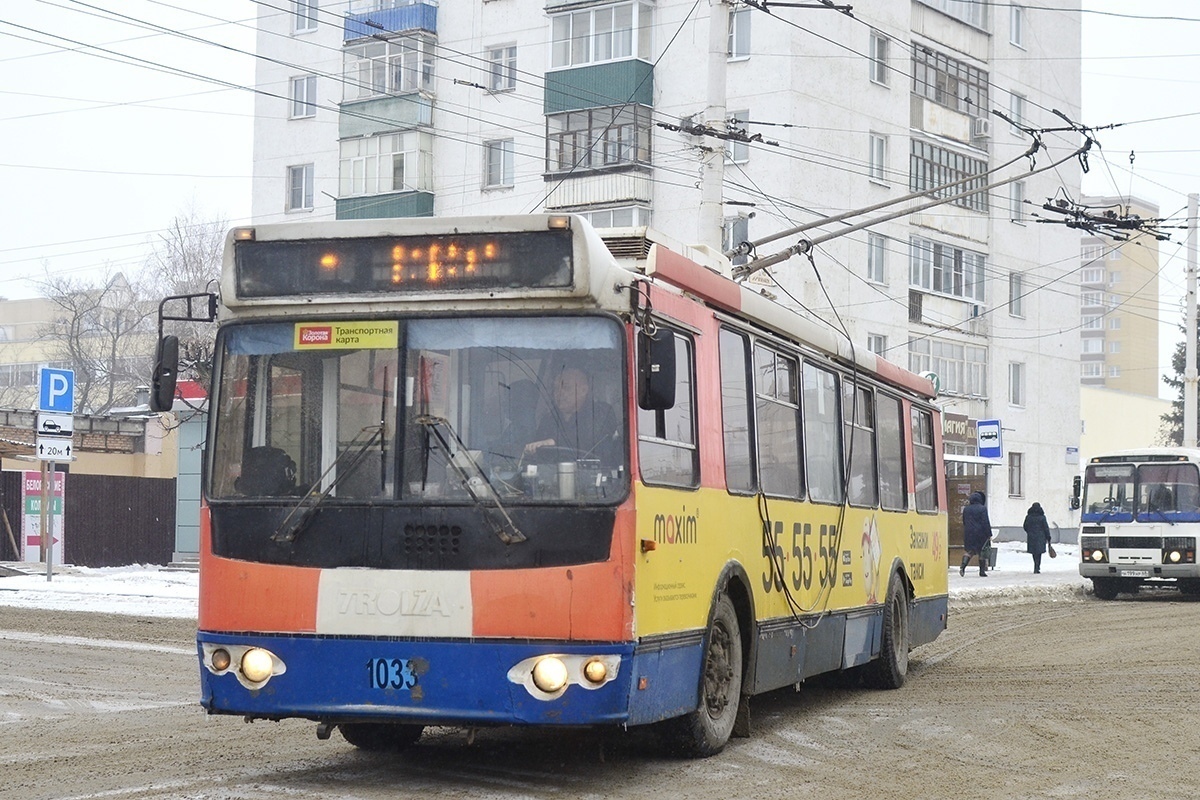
243,595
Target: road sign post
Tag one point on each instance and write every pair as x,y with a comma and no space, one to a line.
55,430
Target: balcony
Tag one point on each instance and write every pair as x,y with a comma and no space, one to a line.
417,16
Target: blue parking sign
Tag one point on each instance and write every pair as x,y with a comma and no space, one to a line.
56,390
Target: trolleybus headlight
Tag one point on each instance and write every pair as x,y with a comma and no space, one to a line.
595,671
257,665
1174,556
550,674
221,659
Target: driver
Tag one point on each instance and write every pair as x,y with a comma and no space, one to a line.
578,421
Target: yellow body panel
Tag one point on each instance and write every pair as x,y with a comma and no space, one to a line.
696,533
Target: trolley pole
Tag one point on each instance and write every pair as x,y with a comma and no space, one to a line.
1189,345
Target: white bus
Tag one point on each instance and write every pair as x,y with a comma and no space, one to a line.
1139,520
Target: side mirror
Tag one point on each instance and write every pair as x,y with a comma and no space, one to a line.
166,371
656,370
1076,483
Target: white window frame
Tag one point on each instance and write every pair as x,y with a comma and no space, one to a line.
398,66
1016,474
304,16
1114,323
1114,370
1016,384
1114,347
304,97
1016,25
1016,202
592,36
1092,322
877,344
971,13
1016,294
369,165
498,172
1016,112
1091,346
502,67
878,59
615,217
300,187
737,48
877,245
1092,275
738,152
946,269
1091,369
1091,298
877,147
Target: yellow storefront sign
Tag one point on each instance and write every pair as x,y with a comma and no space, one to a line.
341,335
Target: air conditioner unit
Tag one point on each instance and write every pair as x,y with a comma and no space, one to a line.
981,128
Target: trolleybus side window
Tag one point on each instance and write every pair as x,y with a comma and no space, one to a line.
777,407
822,442
923,460
735,412
858,411
667,451
891,452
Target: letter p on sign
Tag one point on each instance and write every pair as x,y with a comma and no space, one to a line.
56,390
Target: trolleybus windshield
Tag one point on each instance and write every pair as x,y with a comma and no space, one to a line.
432,410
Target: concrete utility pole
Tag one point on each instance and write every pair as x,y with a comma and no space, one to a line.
1189,345
712,164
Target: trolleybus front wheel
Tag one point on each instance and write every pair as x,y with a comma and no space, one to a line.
705,731
380,736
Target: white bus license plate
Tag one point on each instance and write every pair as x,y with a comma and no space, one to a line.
1135,573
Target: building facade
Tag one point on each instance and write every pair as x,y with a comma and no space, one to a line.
638,113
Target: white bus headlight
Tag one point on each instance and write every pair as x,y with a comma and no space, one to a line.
550,674
257,665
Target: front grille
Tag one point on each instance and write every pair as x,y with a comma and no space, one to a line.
1135,542
432,540
1179,543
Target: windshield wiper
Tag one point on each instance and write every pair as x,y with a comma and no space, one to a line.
300,515
487,499
1159,511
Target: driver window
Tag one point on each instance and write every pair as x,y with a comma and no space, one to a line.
667,452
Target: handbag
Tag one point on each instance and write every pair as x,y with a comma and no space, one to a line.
1050,548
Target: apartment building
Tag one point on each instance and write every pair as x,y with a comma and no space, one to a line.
631,112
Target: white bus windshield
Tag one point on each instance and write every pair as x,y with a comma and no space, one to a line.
422,410
1148,492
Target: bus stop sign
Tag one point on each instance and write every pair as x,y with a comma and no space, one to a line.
988,433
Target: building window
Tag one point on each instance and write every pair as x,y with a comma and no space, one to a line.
1092,252
304,97
736,230
1092,322
304,15
1092,275
300,187
934,168
397,66
1016,294
738,152
1016,112
876,258
1114,347
945,269
961,368
1016,476
1016,200
596,138
879,59
1091,346
1091,299
502,68
877,157
498,163
950,82
1091,369
877,344
1114,323
595,35
972,13
1016,25
391,162
739,32
1114,276
1114,371
1016,384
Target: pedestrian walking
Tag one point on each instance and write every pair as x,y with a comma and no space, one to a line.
977,533
1037,534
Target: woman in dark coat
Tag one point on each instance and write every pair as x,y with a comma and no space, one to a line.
1037,534
977,533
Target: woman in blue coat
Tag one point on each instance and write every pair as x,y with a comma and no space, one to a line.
1037,534
977,533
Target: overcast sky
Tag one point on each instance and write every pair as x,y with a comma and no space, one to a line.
103,149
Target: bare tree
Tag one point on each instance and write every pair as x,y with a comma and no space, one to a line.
101,330
187,260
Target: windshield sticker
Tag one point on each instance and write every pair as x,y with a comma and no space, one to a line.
340,335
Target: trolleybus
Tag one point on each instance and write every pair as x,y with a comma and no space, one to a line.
1139,520
477,472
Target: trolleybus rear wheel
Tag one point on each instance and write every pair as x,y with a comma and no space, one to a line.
890,669
380,736
705,731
